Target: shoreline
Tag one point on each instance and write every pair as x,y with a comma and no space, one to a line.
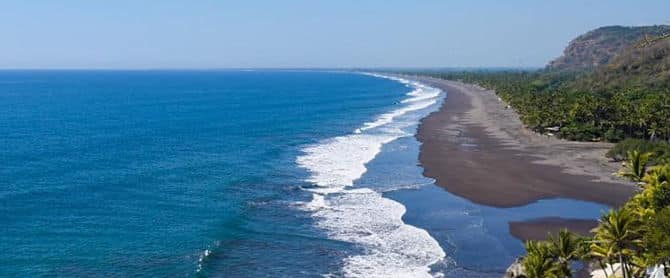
477,149
537,229
345,211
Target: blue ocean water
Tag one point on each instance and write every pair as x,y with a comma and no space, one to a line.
171,173
234,174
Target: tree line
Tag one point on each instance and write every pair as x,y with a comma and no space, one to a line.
554,102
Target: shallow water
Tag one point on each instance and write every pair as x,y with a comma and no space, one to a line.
476,238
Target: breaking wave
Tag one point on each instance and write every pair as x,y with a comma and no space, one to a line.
363,216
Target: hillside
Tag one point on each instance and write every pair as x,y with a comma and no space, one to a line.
636,67
600,46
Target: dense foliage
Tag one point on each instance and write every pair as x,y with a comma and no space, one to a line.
660,150
548,100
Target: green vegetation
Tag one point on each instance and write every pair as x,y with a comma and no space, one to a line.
616,239
539,261
658,231
636,166
635,237
547,101
660,150
553,257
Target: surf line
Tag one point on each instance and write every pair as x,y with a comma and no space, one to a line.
363,216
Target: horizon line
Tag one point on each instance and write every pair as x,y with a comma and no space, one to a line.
270,68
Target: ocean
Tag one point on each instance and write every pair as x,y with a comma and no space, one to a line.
231,173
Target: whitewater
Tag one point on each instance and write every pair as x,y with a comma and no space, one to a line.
363,216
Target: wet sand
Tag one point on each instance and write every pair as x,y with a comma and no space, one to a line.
539,229
477,149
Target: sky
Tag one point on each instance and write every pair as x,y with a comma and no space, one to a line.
182,34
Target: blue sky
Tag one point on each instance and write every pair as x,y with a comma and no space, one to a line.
302,33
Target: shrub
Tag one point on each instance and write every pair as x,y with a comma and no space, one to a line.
580,132
660,150
657,238
614,135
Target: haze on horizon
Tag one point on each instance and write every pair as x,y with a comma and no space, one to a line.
286,34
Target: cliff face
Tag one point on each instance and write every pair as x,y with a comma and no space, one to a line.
600,46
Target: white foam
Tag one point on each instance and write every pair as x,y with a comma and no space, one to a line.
393,248
336,163
318,202
204,255
363,216
421,97
388,117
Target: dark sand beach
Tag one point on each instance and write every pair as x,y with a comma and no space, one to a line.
476,148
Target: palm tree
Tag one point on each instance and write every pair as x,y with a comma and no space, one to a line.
538,262
565,248
658,175
657,187
603,253
657,239
617,237
635,166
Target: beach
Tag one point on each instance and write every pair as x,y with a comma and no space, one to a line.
475,147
